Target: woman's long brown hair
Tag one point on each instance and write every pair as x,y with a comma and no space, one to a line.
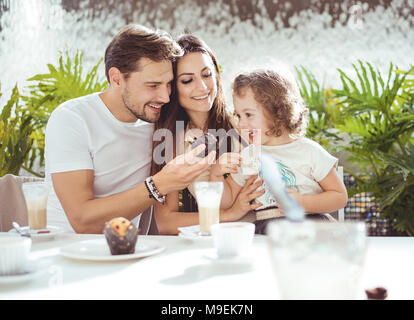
173,111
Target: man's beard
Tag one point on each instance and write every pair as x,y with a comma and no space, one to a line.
142,116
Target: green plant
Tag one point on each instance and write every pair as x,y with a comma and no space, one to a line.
63,82
323,108
395,190
15,131
379,121
407,96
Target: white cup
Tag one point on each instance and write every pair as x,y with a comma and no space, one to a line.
14,252
233,239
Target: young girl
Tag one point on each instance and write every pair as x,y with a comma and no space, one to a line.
269,108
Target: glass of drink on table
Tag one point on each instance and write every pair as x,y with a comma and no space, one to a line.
317,260
208,196
35,194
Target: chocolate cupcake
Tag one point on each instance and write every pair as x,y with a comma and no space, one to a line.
121,236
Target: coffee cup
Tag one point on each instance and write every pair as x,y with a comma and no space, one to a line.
233,239
14,251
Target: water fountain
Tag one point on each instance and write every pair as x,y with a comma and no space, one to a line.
321,35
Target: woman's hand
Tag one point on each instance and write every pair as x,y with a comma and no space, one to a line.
242,203
227,163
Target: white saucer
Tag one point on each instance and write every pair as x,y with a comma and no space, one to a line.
193,233
98,250
49,232
195,237
29,274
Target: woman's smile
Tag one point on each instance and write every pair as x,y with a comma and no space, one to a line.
202,98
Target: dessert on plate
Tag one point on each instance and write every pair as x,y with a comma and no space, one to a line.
121,236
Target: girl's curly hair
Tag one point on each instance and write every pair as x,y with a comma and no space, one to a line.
279,95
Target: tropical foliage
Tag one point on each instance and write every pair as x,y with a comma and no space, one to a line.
15,132
374,127
63,82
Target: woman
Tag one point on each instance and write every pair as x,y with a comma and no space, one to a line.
197,101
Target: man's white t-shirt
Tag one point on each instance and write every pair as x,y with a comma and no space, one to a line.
83,134
302,163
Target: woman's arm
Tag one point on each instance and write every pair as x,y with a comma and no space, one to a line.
333,197
169,219
227,163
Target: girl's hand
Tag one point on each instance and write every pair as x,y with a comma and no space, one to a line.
295,195
248,193
227,163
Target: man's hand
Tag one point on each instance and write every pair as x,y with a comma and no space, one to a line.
183,170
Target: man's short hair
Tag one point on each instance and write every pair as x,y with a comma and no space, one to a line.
134,42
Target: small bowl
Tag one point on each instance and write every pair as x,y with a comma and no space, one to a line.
14,252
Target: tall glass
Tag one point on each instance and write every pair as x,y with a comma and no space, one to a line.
317,260
36,194
208,195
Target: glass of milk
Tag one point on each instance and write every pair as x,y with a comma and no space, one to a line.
317,260
208,195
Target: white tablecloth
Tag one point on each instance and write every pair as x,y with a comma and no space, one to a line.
184,271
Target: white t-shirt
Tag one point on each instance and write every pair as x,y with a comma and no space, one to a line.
83,134
303,163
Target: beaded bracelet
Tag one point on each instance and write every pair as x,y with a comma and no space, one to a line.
153,191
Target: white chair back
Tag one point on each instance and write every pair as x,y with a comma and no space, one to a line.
12,202
341,212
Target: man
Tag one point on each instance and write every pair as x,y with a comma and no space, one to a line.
99,147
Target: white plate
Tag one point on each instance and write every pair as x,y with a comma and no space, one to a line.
41,234
98,250
29,274
191,230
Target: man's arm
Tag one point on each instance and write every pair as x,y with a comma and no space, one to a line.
88,215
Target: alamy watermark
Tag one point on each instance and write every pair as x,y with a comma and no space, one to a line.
356,17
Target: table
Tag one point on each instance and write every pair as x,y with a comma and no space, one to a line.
183,271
